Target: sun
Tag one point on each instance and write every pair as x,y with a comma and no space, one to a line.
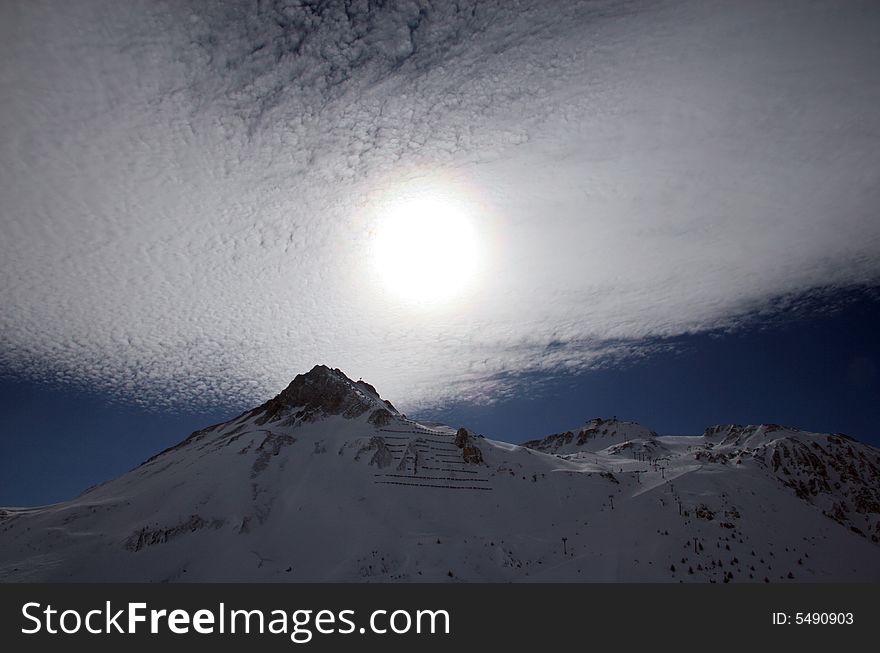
425,248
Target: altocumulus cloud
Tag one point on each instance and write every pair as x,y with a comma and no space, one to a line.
186,186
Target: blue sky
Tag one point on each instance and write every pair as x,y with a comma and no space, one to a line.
815,370
818,372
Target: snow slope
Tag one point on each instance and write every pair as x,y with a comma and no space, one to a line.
328,482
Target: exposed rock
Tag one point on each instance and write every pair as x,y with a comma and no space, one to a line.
470,452
551,442
363,384
269,447
380,417
823,470
611,477
409,460
705,455
703,511
150,536
597,434
322,391
381,454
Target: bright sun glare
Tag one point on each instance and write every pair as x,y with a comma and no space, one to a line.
425,248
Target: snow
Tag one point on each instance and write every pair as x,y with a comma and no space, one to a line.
331,498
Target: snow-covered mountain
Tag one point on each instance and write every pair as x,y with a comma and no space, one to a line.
596,435
328,482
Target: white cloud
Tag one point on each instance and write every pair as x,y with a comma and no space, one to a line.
186,189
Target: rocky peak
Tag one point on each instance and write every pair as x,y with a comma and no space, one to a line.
753,435
596,434
323,391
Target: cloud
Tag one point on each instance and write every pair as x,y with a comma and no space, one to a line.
188,190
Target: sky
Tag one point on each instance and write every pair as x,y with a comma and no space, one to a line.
196,197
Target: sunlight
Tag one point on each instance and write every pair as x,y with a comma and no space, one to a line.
425,248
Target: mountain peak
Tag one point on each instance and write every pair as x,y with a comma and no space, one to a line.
595,435
748,436
322,391
325,483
